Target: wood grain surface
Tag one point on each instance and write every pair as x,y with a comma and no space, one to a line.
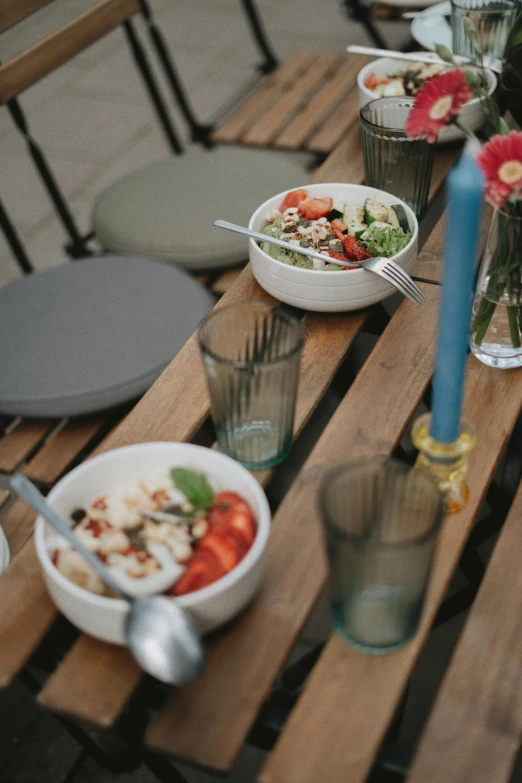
355,695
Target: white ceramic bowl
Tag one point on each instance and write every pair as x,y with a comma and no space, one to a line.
328,292
472,114
209,607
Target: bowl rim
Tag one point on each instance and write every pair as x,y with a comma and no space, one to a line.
192,599
353,272
362,73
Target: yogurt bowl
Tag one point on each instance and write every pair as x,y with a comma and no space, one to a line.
472,115
328,291
210,606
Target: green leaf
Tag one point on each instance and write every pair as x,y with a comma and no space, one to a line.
194,486
470,28
503,127
444,53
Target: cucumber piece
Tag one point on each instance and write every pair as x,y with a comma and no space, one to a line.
398,218
337,210
356,228
353,215
374,211
265,247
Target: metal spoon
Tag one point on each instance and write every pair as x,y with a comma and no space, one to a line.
423,57
159,634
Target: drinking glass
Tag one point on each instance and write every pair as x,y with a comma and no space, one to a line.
251,353
392,161
381,521
493,21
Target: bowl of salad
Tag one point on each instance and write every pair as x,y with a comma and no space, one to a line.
136,506
385,78
340,221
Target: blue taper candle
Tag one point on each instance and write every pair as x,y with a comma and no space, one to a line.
464,201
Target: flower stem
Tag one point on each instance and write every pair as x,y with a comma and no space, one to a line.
482,320
513,326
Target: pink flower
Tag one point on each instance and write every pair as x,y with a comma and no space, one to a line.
437,103
501,162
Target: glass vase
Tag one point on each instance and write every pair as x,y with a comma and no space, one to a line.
496,326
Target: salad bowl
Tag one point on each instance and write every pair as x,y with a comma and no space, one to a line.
327,291
472,115
210,606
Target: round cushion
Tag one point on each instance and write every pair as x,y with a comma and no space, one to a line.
94,333
167,209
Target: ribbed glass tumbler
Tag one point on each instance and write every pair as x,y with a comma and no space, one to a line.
493,21
381,521
393,162
251,354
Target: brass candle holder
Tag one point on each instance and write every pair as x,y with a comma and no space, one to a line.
447,462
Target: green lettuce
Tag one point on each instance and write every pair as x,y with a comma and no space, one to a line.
385,242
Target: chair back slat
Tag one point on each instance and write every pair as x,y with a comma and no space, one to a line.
42,58
14,11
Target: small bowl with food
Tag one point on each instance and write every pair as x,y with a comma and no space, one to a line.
386,78
202,510
340,221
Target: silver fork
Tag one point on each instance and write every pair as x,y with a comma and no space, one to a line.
394,274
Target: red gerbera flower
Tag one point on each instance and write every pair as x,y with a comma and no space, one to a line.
501,161
437,103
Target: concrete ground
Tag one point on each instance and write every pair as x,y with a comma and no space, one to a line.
93,119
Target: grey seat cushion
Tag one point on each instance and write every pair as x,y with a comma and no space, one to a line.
92,334
167,209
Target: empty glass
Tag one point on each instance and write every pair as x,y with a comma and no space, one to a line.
392,161
493,21
251,354
381,521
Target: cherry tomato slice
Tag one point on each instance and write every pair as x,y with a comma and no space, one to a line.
315,208
293,199
338,228
202,569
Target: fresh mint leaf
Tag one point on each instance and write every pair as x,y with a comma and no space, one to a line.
194,486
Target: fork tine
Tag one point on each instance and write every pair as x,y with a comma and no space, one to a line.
390,275
406,279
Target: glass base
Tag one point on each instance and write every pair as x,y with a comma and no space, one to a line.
376,620
495,355
256,445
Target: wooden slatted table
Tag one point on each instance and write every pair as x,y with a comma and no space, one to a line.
347,694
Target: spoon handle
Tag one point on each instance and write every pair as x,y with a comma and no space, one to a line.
420,57
27,490
304,251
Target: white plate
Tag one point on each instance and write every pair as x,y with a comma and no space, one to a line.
430,27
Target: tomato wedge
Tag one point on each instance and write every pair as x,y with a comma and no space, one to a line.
373,80
292,199
202,569
314,208
232,515
338,228
223,547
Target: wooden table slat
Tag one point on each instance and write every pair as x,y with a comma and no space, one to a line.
27,611
317,111
475,729
355,695
226,280
233,128
274,119
21,441
54,457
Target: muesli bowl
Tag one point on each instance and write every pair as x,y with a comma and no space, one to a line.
328,291
472,115
210,606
